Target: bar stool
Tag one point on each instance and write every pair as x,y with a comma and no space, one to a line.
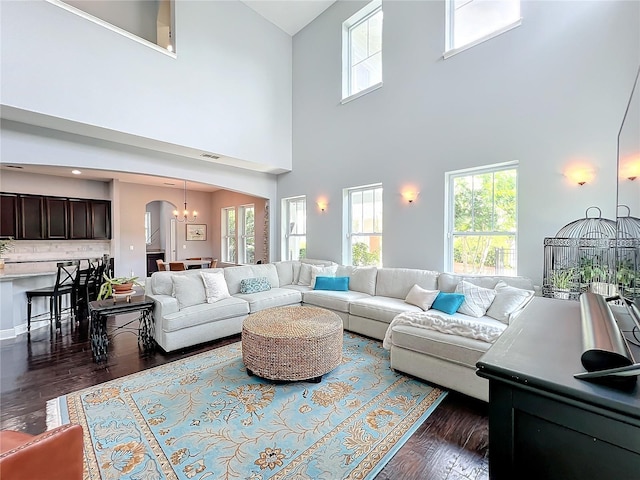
65,281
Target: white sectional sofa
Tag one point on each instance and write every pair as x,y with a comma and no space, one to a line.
375,297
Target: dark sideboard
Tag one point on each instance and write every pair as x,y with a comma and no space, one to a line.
38,217
544,423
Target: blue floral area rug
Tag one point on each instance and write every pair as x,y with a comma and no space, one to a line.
203,418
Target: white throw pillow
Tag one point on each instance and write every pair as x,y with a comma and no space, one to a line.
321,272
476,299
188,290
305,274
215,286
421,297
508,300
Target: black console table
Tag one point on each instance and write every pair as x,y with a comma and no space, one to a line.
545,424
101,309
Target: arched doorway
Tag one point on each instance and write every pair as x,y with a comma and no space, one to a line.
160,233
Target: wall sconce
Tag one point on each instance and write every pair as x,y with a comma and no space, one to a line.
410,195
630,168
580,174
322,205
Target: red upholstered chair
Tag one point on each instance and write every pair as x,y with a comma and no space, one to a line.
55,455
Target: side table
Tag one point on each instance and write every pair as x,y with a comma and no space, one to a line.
101,309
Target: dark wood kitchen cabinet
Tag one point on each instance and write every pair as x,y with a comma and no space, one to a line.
8,215
100,219
79,219
57,218
31,217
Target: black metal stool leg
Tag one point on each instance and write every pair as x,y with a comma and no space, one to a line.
29,313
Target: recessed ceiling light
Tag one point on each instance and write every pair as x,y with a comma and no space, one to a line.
76,172
168,183
15,166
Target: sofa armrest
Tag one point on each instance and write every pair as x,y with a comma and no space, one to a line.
56,454
164,305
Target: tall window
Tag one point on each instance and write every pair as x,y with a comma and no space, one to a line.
294,228
229,235
362,51
247,235
470,22
364,225
482,220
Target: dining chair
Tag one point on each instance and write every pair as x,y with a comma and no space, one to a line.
161,265
65,281
98,268
81,293
213,263
176,266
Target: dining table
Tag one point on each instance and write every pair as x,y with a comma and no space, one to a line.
203,263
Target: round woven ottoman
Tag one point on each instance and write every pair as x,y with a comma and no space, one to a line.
292,343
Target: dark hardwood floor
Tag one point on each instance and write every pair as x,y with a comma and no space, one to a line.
451,444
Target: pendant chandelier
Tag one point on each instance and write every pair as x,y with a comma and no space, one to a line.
185,212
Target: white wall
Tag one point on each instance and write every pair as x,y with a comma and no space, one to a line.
228,91
547,93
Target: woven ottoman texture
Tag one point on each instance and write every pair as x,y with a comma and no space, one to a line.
292,343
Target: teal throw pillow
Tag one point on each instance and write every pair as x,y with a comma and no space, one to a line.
254,285
336,284
448,302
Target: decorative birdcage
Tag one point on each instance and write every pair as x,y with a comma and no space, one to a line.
580,257
627,260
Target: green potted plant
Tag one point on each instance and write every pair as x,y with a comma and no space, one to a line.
113,285
5,246
561,282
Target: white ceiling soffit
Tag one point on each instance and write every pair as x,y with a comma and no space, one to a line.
289,15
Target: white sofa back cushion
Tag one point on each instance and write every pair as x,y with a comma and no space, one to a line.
396,282
447,282
361,279
285,272
234,275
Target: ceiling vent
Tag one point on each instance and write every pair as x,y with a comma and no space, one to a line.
209,155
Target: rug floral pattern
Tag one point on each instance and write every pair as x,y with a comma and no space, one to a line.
205,418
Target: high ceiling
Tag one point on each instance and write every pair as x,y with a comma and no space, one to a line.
290,15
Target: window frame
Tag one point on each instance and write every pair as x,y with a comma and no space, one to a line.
348,217
348,25
449,29
226,236
287,236
449,233
241,242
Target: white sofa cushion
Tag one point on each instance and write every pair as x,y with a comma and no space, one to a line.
188,290
361,279
215,286
235,275
476,299
285,272
161,283
447,282
276,297
421,297
396,282
338,301
204,313
453,348
509,300
318,271
382,309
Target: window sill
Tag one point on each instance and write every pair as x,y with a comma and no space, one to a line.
361,93
455,51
